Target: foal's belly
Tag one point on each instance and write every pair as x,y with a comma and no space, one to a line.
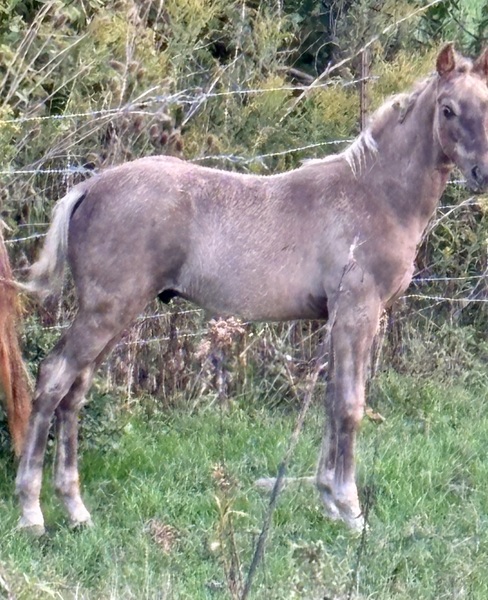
259,273
258,299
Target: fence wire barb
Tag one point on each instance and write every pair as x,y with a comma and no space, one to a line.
446,298
34,236
190,96
72,170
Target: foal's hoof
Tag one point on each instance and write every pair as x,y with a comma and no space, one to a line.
35,530
335,510
355,523
80,525
78,515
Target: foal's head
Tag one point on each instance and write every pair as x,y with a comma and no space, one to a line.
462,114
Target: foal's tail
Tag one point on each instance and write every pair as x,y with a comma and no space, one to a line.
13,376
46,275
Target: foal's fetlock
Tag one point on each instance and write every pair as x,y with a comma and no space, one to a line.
341,506
31,520
351,517
350,511
330,508
327,497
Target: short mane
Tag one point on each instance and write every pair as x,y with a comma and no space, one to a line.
365,144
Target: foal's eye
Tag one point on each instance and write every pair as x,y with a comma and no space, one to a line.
448,112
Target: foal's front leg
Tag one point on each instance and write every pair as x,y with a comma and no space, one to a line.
352,335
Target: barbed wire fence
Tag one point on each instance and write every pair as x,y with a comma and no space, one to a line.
193,329
178,332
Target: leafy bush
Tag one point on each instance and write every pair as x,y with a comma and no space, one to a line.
90,84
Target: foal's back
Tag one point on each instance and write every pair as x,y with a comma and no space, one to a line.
263,248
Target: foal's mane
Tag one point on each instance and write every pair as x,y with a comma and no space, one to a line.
396,109
365,144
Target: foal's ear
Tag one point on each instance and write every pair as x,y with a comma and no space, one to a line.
446,61
481,64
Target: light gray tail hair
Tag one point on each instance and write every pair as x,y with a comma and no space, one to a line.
46,274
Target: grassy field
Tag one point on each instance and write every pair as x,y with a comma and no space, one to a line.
176,514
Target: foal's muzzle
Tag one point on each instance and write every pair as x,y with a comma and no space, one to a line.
477,179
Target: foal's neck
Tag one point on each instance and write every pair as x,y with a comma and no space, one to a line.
410,159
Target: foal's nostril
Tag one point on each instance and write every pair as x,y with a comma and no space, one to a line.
476,173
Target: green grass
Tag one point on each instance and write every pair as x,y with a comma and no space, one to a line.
424,471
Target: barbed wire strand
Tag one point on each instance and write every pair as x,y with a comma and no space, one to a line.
187,334
190,96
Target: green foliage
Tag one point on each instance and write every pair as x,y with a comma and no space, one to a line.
163,490
462,21
90,84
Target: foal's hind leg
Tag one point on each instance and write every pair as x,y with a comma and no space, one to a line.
352,335
91,334
56,377
66,479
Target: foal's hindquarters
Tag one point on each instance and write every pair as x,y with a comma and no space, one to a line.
109,300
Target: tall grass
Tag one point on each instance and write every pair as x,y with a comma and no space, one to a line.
173,500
